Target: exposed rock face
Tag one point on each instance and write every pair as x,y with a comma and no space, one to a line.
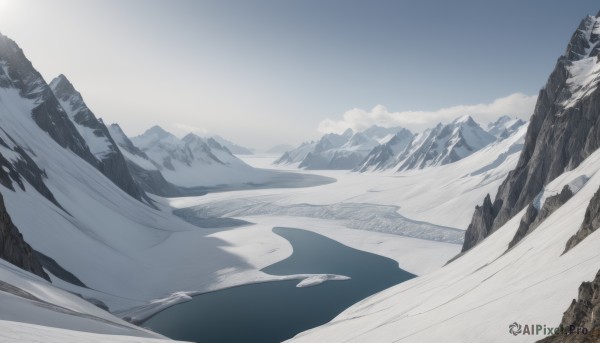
108,158
533,218
14,249
591,222
525,225
563,131
483,217
17,72
584,313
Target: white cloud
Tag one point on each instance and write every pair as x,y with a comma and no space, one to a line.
186,128
514,105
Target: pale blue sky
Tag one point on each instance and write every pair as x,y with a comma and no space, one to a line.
267,72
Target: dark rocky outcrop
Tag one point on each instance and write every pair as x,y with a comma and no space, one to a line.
582,313
13,247
483,217
23,168
533,218
57,270
563,131
525,225
591,222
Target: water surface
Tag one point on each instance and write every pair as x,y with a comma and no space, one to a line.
278,310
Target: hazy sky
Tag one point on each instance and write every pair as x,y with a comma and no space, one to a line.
281,71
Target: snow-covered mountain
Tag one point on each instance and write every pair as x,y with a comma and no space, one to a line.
295,156
71,217
438,146
388,154
339,151
504,126
531,251
145,171
191,161
107,156
231,146
447,144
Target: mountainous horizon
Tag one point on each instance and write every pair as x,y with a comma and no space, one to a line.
397,148
480,228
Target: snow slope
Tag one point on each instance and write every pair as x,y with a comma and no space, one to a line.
29,299
476,298
22,332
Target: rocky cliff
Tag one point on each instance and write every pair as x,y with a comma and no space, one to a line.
563,131
108,158
13,247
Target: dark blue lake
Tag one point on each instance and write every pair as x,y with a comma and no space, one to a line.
278,310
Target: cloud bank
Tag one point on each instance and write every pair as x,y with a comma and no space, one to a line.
514,105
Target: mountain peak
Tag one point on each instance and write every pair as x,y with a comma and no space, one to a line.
584,40
191,137
466,119
158,131
61,85
155,135
116,127
501,120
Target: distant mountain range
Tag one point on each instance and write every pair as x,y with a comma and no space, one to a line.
339,151
378,148
191,161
